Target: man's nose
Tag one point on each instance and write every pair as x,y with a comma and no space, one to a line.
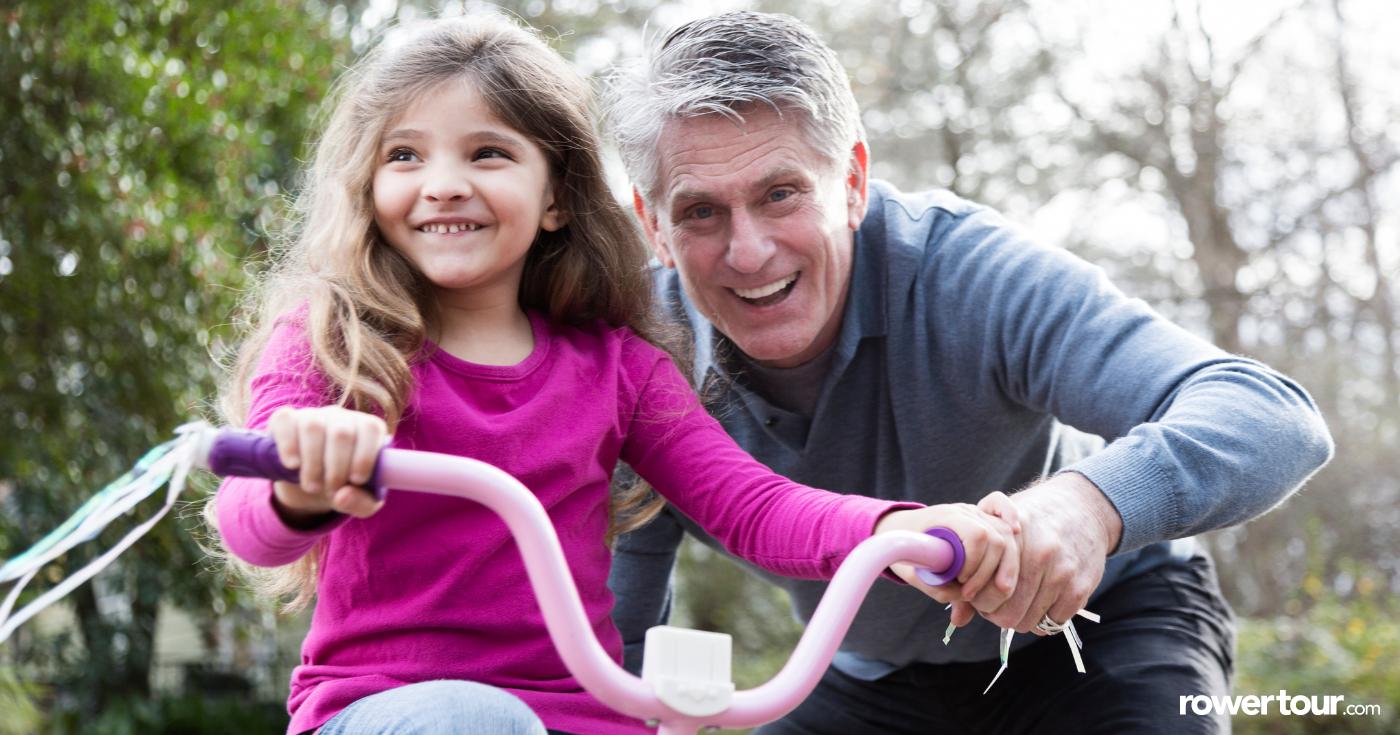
446,183
749,246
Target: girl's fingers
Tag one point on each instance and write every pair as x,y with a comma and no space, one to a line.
340,451
283,428
962,613
367,446
989,551
312,438
945,593
1009,573
1000,505
334,450
355,501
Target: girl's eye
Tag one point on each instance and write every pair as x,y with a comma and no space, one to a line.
490,153
399,155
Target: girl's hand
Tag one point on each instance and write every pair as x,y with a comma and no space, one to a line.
335,449
992,555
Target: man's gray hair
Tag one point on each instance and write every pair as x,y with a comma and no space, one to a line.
725,65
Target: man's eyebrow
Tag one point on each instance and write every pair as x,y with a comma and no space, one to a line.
785,174
685,196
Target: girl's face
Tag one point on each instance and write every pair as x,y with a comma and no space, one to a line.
462,196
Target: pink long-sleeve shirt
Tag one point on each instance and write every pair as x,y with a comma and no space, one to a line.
432,587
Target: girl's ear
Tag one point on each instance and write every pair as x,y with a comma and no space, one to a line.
554,217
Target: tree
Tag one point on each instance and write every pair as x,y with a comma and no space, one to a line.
1266,164
145,147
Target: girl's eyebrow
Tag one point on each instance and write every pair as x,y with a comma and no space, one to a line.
481,137
402,134
495,137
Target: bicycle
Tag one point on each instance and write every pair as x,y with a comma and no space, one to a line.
685,684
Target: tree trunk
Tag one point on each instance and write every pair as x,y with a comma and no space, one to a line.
119,653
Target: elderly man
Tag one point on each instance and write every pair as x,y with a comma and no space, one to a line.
916,346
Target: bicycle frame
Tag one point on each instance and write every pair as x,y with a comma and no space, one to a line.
240,453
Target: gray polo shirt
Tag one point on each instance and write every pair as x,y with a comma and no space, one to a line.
966,353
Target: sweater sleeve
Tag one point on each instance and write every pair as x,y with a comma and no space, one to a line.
1199,439
248,522
786,528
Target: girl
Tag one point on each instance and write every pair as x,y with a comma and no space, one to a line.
462,278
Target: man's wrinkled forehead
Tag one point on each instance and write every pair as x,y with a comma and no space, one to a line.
683,137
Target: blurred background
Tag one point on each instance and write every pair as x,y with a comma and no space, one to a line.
1234,164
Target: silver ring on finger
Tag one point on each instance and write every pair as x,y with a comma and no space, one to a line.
1048,626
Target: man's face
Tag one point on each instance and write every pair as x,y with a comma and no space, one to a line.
760,227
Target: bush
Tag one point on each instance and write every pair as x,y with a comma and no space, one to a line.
1343,645
18,713
177,715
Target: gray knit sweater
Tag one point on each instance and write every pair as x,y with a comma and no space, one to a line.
966,352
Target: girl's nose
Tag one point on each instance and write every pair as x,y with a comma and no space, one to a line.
446,185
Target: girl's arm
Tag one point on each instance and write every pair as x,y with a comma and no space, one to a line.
784,527
272,526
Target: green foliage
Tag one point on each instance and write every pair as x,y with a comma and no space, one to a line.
185,715
19,714
1345,645
715,593
145,149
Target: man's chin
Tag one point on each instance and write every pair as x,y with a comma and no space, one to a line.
779,350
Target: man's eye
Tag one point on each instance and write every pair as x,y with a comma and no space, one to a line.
702,212
399,155
778,195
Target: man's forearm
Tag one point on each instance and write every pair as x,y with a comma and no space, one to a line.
1235,439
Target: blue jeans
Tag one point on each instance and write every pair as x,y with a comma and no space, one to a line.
444,707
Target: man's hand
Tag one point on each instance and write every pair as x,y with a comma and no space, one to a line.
1068,530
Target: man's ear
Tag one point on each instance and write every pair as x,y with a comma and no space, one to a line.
652,230
857,184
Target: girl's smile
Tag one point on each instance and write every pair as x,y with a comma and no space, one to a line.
449,226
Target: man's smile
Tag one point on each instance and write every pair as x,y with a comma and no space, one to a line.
768,293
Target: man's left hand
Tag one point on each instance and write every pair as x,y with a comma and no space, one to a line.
1068,530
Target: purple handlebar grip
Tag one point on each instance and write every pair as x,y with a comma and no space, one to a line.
935,579
242,453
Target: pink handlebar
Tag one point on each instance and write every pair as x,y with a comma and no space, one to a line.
248,454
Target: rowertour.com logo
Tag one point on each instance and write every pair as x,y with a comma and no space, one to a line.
1255,705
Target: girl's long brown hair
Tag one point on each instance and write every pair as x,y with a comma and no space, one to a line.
369,312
